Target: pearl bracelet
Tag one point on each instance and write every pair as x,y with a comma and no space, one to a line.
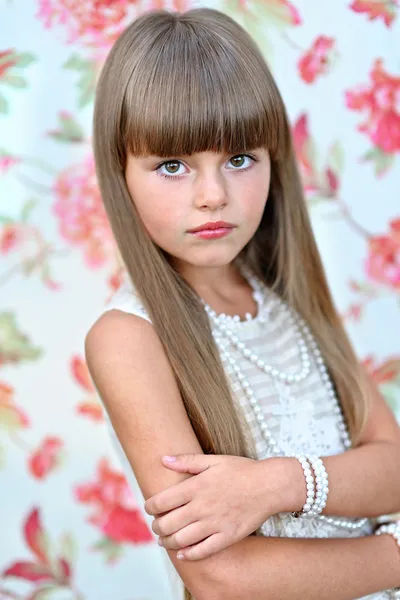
322,487
391,528
310,483
394,530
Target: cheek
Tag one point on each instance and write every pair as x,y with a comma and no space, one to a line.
254,199
158,213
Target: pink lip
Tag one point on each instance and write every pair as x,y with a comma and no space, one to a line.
212,234
212,225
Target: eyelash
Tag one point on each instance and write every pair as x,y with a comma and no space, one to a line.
158,168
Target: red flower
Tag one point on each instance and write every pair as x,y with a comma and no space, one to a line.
383,262
115,280
305,153
95,23
8,60
10,237
385,372
381,101
10,415
375,9
36,537
46,458
115,511
317,60
7,160
122,525
93,410
294,14
81,373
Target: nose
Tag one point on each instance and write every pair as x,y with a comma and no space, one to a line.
210,192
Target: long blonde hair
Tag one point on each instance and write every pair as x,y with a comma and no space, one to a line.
175,84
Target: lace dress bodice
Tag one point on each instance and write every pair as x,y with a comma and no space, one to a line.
300,417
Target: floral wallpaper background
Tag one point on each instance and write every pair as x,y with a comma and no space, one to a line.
70,527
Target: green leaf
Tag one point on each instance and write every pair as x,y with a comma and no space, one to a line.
68,548
382,161
87,86
87,80
15,81
275,14
69,131
11,418
6,220
3,105
336,157
76,62
15,346
46,593
27,209
111,550
25,59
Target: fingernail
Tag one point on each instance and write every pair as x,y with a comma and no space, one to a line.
169,458
180,555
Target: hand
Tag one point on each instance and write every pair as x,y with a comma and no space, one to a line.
227,500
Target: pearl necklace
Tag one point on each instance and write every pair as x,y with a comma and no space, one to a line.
223,324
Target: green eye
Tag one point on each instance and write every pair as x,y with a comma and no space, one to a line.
175,166
237,161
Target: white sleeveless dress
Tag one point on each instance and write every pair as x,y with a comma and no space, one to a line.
306,424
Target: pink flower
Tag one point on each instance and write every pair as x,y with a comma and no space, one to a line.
92,410
11,417
7,161
115,511
385,372
81,373
304,148
317,60
125,526
375,9
11,236
46,458
92,22
383,262
8,60
292,11
82,218
381,101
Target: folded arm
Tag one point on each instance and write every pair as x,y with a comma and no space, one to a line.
136,383
258,568
364,481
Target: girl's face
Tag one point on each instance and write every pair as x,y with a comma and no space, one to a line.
178,194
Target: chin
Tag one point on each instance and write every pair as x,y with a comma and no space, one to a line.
214,259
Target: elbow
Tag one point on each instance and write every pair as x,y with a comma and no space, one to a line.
212,581
219,586
209,588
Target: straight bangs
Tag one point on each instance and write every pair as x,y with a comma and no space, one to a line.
195,92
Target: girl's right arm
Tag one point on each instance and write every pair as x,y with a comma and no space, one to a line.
136,383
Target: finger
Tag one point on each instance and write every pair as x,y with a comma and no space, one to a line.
173,497
189,463
187,536
213,544
173,521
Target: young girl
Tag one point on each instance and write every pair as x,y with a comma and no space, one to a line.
223,345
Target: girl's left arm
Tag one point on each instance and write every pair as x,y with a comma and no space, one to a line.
230,496
365,481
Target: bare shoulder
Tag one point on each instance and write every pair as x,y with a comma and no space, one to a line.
138,388
114,336
137,385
